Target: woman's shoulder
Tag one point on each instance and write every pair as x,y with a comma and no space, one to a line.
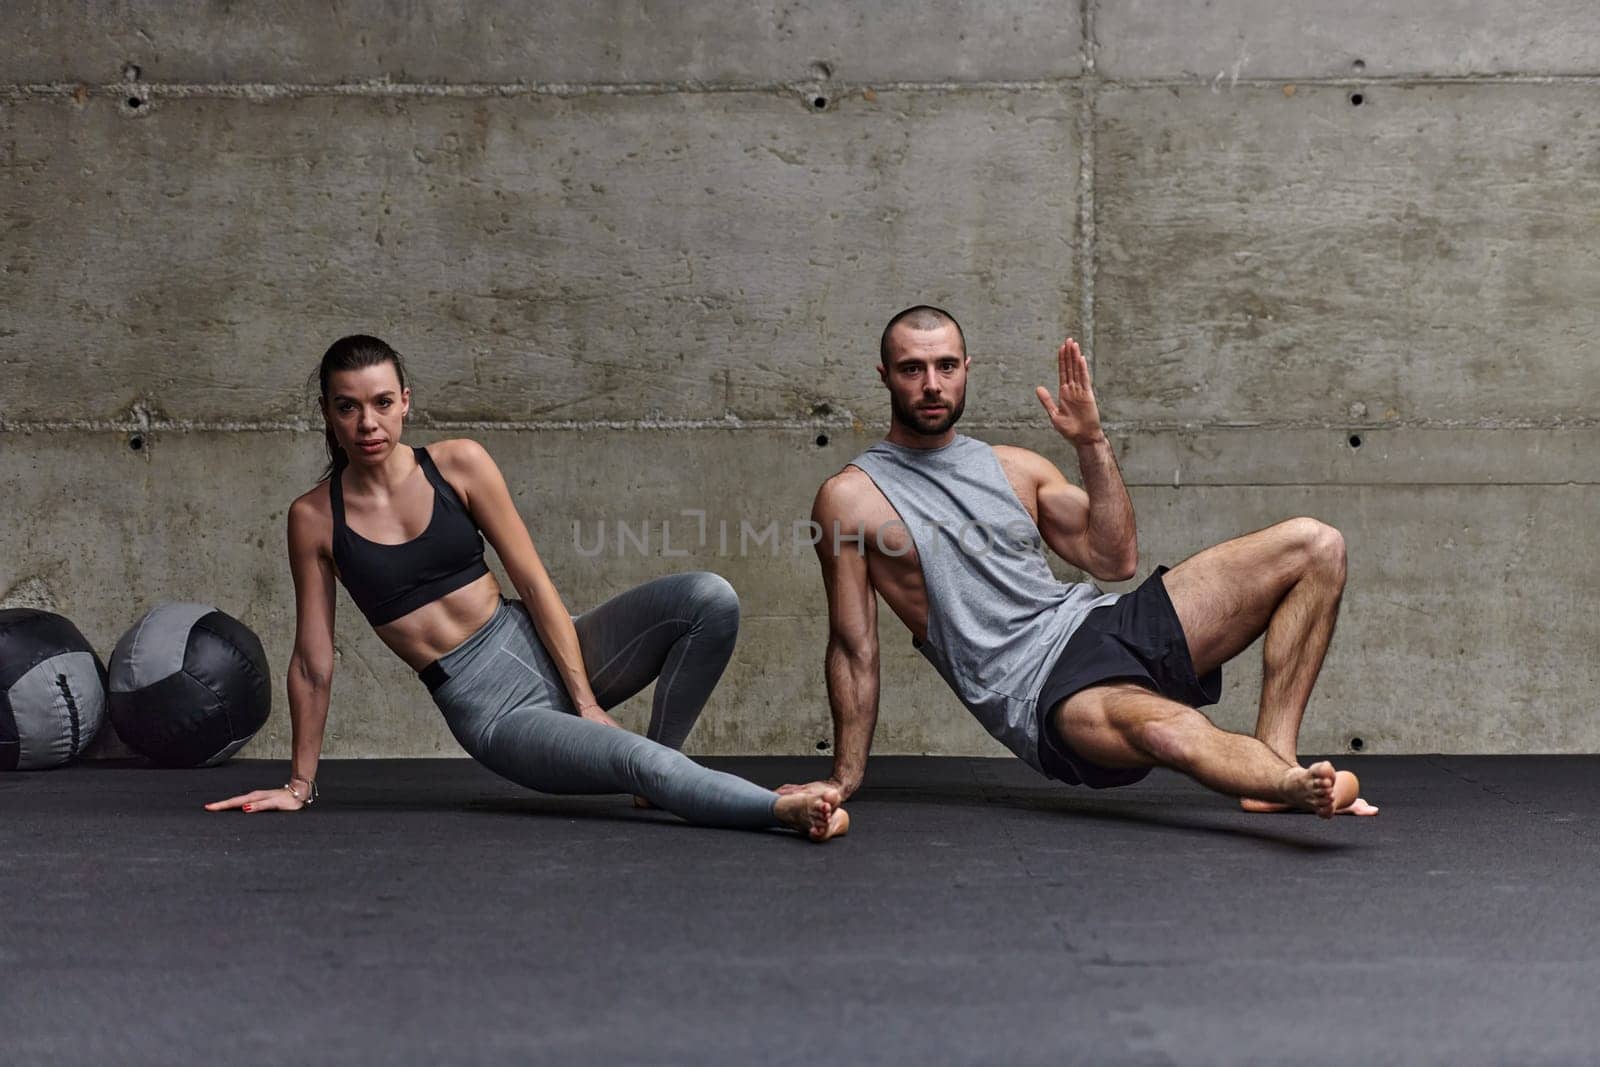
459,455
313,506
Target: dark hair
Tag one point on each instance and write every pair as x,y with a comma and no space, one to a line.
920,317
356,352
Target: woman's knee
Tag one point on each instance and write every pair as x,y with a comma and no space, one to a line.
711,600
651,766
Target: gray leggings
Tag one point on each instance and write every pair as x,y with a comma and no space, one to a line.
506,704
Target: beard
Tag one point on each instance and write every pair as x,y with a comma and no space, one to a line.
917,422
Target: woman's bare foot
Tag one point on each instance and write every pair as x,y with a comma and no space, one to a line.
1309,788
1346,799
815,813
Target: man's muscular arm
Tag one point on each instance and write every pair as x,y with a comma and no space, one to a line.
852,656
1093,527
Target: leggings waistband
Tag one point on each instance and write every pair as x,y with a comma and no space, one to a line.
433,676
448,665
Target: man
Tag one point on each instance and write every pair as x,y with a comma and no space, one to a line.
1088,687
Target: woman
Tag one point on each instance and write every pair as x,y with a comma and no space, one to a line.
523,685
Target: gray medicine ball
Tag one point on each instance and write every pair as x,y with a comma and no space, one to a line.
189,685
52,690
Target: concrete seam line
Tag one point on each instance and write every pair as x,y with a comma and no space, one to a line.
1401,81
479,90
1088,15
158,425
1088,252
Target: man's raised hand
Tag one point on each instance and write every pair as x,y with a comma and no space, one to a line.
1073,411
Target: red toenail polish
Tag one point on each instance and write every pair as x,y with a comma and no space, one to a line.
247,807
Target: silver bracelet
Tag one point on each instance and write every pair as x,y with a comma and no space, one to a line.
311,789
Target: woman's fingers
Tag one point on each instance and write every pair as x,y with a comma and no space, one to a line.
276,800
236,802
260,800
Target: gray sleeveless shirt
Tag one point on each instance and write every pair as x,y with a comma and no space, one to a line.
997,618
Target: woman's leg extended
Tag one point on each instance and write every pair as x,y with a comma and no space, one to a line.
554,752
505,712
678,631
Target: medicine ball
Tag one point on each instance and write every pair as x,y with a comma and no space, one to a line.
189,685
52,690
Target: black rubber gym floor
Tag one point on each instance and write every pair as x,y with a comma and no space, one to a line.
427,912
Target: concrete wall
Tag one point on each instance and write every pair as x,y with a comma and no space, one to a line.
1339,262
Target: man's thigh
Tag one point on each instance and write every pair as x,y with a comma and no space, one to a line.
1102,723
1225,596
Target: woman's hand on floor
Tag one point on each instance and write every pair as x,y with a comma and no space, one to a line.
283,799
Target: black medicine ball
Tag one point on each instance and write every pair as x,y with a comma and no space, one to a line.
52,690
189,685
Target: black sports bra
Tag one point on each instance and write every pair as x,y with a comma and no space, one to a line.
388,581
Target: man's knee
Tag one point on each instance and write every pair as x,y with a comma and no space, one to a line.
1318,545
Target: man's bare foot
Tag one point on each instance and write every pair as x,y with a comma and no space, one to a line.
1309,788
838,823
1346,799
815,813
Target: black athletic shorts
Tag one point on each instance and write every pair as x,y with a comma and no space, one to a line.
1137,639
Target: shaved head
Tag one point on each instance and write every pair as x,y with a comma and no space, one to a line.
920,317
924,366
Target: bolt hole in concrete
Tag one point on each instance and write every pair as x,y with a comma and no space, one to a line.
822,439
136,443
1359,64
1356,744
1357,99
822,746
135,103
819,102
1355,440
